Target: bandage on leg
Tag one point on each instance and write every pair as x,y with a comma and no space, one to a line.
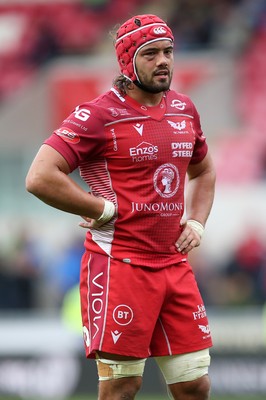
184,367
111,369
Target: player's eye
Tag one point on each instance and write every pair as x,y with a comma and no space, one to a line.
169,51
150,53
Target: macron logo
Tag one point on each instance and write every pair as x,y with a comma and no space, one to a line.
139,128
116,335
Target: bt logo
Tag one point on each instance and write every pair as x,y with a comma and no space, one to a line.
123,314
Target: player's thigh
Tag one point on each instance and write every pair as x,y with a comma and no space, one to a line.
117,367
119,376
184,367
187,373
183,324
120,306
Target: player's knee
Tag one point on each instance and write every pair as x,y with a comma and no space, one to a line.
198,389
122,388
129,386
204,387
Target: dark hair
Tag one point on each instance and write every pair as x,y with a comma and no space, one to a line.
123,84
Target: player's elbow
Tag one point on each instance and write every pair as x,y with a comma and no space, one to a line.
35,183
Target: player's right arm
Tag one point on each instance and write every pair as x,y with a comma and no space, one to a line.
48,179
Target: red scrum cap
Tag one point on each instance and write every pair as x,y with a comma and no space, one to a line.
133,35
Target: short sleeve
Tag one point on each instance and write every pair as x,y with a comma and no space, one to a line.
80,136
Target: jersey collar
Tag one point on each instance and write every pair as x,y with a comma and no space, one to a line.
155,112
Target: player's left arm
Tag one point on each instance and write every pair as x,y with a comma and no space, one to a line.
199,200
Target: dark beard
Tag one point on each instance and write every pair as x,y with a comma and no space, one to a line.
151,88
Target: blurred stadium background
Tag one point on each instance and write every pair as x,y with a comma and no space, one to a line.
57,53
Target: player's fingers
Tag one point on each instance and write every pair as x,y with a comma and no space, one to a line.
183,244
193,243
187,242
87,223
182,238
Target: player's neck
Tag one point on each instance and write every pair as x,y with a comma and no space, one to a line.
145,98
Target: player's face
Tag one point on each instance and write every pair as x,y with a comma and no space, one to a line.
154,65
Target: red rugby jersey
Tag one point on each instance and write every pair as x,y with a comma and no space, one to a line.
136,157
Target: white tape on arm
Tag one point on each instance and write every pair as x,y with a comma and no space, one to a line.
107,214
196,226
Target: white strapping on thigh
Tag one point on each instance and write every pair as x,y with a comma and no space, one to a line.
184,367
111,369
